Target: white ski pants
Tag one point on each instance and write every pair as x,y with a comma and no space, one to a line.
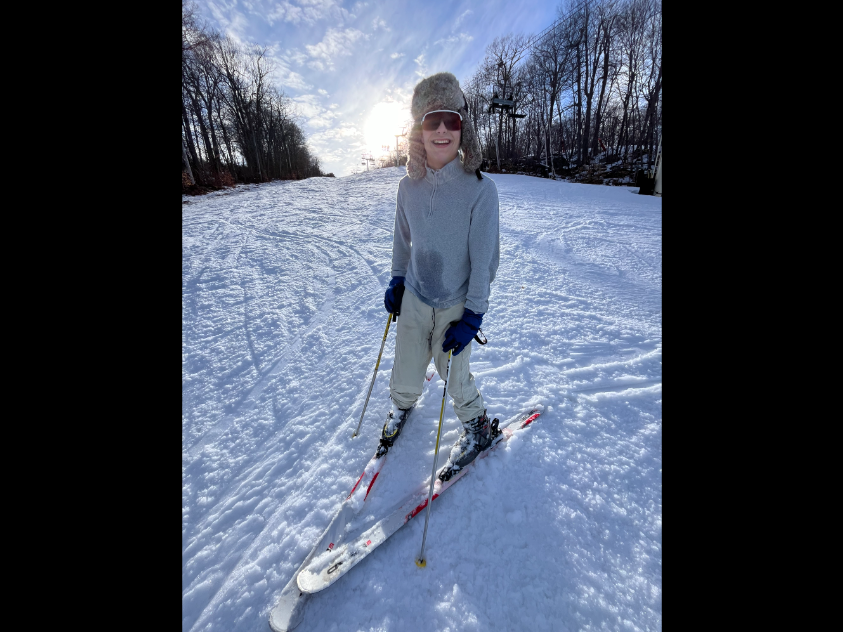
421,330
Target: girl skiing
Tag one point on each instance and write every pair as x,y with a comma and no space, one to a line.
445,253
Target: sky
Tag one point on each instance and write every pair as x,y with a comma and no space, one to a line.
350,67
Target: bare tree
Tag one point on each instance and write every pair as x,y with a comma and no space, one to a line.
590,82
606,17
236,124
502,57
552,59
653,85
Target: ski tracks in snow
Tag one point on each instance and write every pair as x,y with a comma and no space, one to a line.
350,279
251,398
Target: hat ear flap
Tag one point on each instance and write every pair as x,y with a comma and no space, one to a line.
471,153
417,156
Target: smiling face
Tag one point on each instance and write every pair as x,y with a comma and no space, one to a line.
441,146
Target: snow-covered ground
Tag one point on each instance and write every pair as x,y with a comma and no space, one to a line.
282,317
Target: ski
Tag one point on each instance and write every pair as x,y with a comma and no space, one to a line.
288,611
324,569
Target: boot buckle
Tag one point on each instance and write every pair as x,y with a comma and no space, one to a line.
495,431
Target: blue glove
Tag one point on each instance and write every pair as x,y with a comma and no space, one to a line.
393,296
459,335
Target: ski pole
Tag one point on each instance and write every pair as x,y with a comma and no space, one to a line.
421,562
383,342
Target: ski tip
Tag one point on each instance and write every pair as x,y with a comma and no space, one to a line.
421,563
287,614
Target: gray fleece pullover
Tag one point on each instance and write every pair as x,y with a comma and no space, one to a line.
446,241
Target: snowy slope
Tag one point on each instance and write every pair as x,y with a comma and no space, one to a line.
282,321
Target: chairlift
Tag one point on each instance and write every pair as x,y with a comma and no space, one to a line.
504,104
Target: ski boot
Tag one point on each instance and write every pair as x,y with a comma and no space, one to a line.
392,428
477,435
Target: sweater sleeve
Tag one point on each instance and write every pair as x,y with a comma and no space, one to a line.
400,240
483,248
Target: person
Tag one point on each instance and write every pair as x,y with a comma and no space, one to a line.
445,253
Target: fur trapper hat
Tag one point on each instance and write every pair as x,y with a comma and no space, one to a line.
441,92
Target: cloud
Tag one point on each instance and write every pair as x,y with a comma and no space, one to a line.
324,93
377,23
323,120
461,37
285,12
396,55
336,43
292,79
308,105
308,12
282,74
317,117
459,20
337,145
231,21
422,71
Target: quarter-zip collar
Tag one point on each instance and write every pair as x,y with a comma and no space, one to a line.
437,177
441,176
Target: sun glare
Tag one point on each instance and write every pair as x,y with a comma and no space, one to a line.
385,121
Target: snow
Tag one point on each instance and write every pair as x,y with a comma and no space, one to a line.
282,320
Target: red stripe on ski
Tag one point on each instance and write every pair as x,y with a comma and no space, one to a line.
370,485
416,511
421,507
356,484
529,420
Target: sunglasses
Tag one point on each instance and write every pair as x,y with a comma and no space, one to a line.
453,120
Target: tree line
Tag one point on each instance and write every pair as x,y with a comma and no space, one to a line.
236,125
588,88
